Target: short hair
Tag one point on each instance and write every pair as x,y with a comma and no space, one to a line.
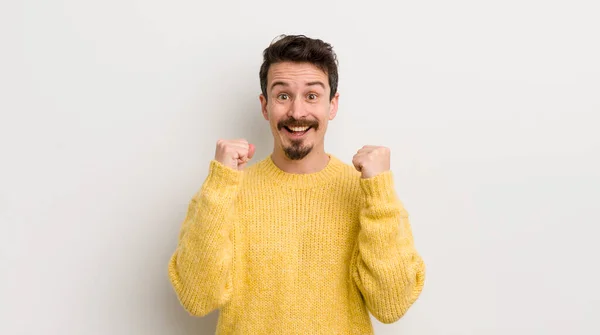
300,49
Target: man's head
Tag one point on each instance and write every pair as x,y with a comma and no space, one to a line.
298,79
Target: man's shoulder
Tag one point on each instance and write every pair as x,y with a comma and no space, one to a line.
255,167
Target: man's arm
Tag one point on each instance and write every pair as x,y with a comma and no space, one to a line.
200,270
385,265
200,267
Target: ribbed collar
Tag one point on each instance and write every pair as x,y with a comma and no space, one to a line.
301,180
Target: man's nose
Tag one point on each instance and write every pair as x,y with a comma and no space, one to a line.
298,109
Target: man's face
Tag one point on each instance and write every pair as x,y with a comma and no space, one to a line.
298,107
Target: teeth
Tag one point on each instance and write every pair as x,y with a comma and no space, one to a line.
298,128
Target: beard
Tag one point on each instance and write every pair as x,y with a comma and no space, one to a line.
296,150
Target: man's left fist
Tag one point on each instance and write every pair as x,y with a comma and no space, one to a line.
372,160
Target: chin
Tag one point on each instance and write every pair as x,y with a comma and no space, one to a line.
297,153
296,149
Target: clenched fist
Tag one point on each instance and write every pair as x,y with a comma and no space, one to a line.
234,153
372,160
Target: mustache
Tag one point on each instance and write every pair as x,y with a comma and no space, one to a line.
291,122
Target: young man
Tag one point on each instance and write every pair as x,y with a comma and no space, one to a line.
300,242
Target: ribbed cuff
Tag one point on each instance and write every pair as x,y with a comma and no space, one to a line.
221,180
223,174
379,188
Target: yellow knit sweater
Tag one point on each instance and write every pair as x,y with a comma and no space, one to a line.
282,253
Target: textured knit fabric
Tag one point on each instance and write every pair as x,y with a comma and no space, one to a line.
283,253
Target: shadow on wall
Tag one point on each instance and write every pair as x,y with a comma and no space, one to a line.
181,322
240,116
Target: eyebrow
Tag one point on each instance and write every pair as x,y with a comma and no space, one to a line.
282,83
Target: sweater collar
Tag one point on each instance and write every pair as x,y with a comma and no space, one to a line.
302,180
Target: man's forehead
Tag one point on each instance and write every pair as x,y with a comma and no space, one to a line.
286,74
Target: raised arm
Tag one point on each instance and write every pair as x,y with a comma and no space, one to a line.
385,266
200,269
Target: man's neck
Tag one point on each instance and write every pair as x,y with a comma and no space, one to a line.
313,162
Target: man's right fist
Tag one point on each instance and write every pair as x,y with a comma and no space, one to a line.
234,153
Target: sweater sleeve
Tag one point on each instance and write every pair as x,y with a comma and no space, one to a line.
200,269
386,266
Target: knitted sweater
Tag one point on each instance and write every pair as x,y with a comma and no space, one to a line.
283,253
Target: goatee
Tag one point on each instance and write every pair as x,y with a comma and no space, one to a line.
296,151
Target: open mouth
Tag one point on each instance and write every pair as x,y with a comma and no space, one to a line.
297,131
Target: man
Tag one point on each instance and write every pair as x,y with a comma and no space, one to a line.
300,242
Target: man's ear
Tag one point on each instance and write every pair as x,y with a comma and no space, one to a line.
263,106
333,106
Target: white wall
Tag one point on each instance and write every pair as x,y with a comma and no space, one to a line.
110,111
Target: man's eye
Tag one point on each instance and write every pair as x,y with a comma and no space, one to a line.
282,96
312,96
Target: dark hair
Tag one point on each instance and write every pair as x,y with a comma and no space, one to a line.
301,49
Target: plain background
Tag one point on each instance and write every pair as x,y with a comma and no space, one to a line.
111,111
